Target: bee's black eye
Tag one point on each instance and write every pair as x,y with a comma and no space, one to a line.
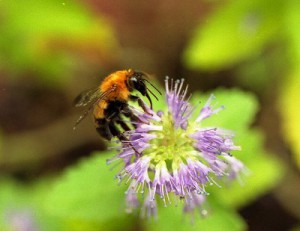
136,82
132,82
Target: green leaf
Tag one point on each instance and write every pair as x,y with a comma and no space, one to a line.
124,223
49,37
292,20
236,31
88,192
290,112
240,109
21,202
171,218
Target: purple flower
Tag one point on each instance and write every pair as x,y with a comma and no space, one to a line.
22,220
177,157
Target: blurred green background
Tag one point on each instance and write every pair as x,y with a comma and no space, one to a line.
246,52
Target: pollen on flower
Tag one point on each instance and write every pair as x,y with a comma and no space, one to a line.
177,157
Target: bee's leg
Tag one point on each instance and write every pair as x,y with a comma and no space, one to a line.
116,132
108,130
123,124
102,127
141,103
133,118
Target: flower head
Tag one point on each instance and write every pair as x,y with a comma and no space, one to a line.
177,157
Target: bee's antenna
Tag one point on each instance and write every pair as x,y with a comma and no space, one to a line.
152,86
152,94
150,101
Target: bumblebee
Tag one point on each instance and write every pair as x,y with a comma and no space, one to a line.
109,102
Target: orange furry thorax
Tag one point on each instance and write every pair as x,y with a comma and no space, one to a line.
118,79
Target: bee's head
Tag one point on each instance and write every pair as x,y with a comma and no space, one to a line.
137,81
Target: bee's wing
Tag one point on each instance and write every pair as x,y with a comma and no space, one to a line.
91,97
86,97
